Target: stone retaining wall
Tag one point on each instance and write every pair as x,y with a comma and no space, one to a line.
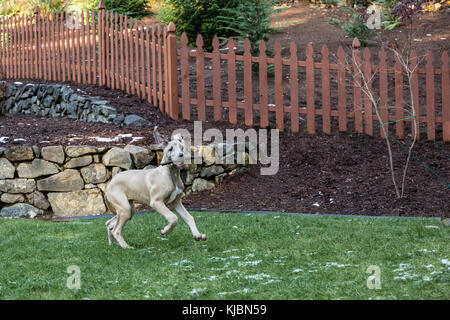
71,181
58,100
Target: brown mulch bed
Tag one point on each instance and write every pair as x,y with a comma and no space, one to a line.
340,173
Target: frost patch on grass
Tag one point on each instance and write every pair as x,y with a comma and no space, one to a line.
197,291
249,263
259,276
218,258
245,290
403,273
271,281
335,264
426,251
229,272
185,264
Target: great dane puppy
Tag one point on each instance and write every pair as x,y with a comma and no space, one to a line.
156,187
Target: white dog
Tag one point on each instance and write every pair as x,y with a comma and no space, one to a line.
156,187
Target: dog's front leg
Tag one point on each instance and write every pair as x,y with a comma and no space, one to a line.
171,218
185,215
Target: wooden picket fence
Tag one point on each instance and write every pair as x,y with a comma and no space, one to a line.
107,49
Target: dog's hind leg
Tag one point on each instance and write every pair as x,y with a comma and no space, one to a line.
171,218
124,213
110,224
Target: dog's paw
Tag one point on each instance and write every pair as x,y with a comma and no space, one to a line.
200,237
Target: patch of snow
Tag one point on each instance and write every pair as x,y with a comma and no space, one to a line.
100,139
76,138
245,290
335,264
259,276
426,250
115,139
315,204
136,139
297,270
271,281
197,291
20,139
432,227
217,258
3,139
231,272
249,263
17,83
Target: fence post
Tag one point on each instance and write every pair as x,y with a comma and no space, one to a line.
172,72
101,42
37,43
445,98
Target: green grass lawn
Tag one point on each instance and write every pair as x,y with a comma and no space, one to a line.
246,257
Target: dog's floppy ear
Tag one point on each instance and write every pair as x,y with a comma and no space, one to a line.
178,137
159,139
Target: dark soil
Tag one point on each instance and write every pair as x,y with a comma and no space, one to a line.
328,174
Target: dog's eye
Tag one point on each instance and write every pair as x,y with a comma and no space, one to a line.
171,148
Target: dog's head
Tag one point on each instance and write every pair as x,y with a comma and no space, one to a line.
175,151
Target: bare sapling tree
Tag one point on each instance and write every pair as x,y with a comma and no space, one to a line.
409,63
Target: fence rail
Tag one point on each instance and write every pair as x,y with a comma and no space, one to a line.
107,49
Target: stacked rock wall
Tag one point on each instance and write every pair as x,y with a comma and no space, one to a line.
70,181
58,100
